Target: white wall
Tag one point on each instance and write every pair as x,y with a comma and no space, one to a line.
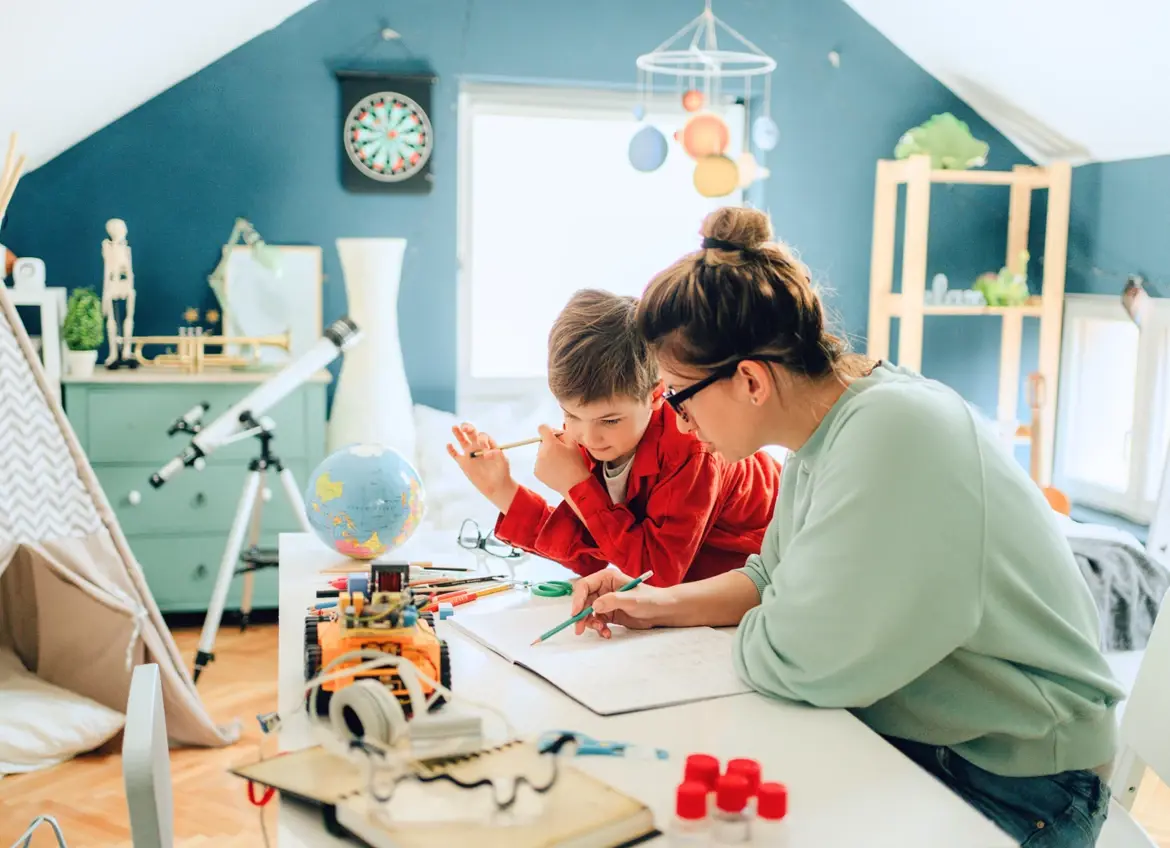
1074,79
70,67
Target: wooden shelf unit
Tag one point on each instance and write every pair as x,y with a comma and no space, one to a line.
910,305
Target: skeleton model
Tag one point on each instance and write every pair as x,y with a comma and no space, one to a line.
118,284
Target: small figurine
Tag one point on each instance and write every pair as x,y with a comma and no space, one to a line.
118,285
938,289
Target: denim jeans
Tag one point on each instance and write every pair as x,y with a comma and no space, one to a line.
1065,810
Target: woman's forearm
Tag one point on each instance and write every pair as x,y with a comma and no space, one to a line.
719,601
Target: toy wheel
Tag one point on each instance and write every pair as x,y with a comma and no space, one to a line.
310,630
312,669
444,673
429,618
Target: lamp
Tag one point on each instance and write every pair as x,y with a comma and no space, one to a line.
262,252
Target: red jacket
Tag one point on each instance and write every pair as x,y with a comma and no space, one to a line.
688,513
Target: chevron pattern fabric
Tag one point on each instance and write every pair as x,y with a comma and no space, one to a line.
41,494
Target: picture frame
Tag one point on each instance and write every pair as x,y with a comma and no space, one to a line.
261,302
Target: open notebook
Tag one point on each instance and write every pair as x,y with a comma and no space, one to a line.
633,670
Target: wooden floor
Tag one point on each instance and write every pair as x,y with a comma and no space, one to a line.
86,797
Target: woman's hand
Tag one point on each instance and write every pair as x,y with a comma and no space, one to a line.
559,464
639,608
489,472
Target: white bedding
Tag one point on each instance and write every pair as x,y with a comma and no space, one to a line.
450,497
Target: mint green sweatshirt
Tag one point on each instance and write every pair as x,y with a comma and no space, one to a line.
914,574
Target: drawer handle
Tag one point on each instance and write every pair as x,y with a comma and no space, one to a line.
134,498
200,499
200,571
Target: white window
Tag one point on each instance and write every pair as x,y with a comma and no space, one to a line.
548,204
1113,420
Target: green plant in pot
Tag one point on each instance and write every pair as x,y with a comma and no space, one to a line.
83,331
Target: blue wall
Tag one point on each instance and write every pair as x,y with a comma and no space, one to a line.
255,134
1120,224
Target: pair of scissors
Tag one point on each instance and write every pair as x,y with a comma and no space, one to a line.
552,588
584,745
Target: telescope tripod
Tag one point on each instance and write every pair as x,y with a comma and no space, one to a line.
248,514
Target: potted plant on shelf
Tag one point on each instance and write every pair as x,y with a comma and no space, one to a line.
83,331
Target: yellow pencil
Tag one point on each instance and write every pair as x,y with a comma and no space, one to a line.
509,446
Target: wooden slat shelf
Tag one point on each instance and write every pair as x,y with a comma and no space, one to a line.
1031,309
910,307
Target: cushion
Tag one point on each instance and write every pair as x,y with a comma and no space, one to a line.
42,725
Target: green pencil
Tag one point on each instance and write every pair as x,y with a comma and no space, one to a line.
588,610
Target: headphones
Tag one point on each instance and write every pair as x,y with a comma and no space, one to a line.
366,710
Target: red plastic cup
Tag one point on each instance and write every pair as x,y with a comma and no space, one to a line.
691,800
702,768
772,801
731,793
748,769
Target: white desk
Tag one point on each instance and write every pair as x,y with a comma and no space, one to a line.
847,786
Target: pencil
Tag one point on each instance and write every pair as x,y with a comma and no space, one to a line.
459,598
589,610
509,446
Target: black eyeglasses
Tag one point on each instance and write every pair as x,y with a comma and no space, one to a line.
677,399
472,538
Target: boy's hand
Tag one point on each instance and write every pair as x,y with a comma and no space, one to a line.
559,464
489,472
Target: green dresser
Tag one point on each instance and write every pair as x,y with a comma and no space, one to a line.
178,531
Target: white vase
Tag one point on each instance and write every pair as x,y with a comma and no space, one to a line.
372,403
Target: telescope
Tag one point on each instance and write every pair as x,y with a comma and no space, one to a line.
245,416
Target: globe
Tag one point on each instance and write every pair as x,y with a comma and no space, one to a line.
364,500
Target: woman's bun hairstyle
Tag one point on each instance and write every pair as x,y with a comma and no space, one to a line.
743,295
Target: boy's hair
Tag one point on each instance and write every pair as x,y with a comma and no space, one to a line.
595,351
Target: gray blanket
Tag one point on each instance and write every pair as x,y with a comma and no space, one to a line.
1128,587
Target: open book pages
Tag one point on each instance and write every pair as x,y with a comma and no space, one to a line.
633,670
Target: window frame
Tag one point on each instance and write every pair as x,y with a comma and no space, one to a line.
1149,385
517,99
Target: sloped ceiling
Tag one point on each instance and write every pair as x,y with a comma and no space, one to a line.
1071,79
70,67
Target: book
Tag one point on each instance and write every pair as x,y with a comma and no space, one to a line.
576,811
633,670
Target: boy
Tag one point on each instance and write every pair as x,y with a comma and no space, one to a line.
638,493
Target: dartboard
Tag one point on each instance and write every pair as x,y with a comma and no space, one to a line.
388,136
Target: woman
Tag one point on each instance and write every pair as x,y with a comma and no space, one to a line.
911,573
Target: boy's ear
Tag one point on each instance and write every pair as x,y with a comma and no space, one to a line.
656,399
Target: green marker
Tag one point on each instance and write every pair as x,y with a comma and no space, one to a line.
588,610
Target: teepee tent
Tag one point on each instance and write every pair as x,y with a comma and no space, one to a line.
74,604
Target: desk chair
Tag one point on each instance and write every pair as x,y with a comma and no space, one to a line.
146,762
1145,739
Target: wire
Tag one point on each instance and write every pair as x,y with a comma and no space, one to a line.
37,822
501,804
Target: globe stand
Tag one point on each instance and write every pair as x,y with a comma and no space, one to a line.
247,512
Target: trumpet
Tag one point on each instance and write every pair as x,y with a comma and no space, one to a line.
190,354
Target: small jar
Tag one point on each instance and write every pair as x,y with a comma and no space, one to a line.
749,770
702,768
691,827
730,822
770,829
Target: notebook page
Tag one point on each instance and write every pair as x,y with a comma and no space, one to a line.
634,670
